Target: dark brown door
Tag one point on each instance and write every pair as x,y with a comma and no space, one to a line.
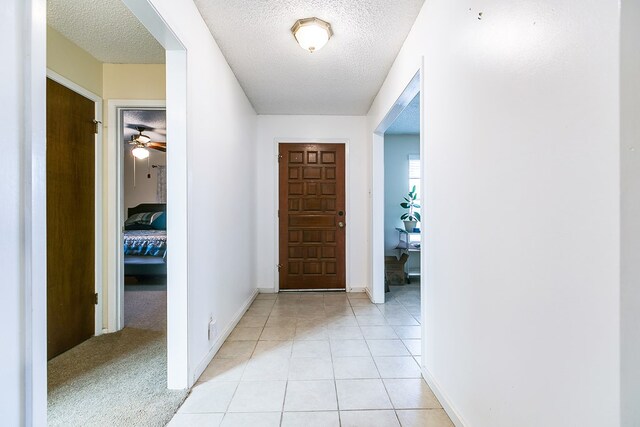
70,218
312,216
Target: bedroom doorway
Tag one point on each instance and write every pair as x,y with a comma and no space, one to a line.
142,216
70,60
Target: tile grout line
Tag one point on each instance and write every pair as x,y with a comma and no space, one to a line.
326,320
335,382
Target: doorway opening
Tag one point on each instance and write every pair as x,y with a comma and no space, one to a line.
403,209
35,69
110,375
398,256
142,287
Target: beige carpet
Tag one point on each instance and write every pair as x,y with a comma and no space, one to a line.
117,379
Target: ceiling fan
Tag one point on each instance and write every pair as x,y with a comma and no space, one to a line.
142,143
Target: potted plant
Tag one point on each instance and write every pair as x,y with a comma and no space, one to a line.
412,217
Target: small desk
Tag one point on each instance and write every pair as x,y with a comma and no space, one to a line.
408,242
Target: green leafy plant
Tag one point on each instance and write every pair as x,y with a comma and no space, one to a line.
411,205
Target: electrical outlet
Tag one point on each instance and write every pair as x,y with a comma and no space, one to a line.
213,329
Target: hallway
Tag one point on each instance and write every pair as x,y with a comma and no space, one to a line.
319,359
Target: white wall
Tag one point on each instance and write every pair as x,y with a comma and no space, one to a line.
23,246
397,149
306,129
221,144
630,224
145,188
521,166
12,312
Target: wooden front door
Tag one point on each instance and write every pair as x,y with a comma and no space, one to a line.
70,218
312,216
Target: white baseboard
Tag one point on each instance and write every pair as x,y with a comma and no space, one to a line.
356,289
222,337
266,290
442,397
369,295
369,292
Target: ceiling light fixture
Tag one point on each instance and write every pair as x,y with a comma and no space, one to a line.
140,141
140,151
312,33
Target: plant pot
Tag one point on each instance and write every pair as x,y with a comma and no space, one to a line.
410,225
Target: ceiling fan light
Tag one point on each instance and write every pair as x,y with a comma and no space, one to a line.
143,138
312,33
140,152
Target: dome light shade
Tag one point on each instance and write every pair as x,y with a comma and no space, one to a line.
312,33
143,138
140,152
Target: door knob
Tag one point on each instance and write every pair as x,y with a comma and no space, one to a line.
341,224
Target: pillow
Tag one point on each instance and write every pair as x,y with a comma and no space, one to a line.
143,219
160,222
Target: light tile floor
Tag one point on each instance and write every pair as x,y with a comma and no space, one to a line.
319,359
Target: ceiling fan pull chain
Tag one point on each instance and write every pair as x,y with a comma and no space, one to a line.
134,171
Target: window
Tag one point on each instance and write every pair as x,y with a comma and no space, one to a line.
414,175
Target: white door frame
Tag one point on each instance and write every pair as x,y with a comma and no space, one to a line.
98,218
177,192
377,186
276,143
115,205
33,325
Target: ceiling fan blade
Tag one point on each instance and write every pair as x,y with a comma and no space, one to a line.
160,146
134,126
145,128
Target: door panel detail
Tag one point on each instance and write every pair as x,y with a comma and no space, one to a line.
71,294
311,192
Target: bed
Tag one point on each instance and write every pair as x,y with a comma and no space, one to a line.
145,240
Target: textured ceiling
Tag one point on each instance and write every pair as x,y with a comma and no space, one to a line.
279,77
408,122
106,29
154,122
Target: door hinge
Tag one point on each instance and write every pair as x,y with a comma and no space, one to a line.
97,123
279,157
278,213
95,301
279,267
